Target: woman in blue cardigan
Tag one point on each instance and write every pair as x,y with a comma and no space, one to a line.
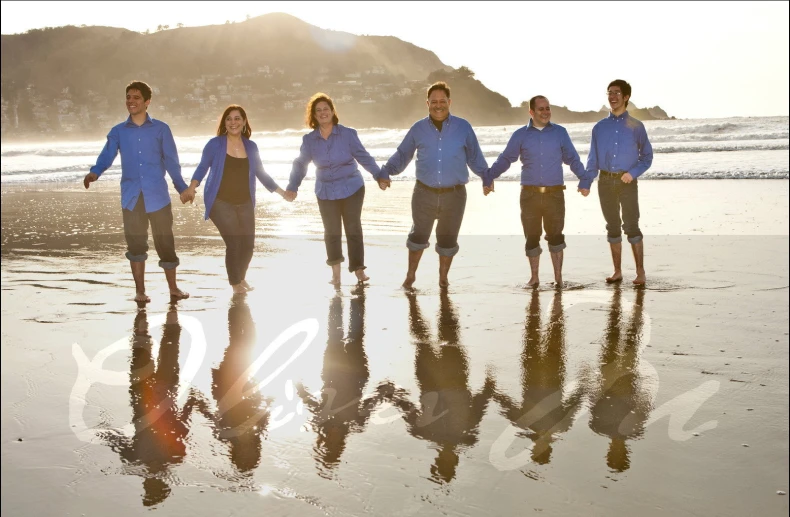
235,162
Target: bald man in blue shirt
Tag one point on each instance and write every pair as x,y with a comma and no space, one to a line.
445,145
621,151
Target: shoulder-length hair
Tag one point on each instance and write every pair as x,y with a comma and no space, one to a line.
309,114
246,130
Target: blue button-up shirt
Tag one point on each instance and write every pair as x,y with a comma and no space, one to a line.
147,151
442,156
619,144
542,154
337,175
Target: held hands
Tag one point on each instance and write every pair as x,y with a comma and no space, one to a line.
384,184
626,178
584,191
289,195
489,189
188,196
89,178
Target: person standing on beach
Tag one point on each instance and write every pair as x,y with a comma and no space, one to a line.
339,187
621,151
445,145
147,151
542,147
235,162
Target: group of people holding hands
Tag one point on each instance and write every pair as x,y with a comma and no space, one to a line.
445,147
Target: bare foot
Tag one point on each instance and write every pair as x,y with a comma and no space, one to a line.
444,282
640,278
141,297
238,289
533,282
178,294
616,277
361,276
410,278
246,286
335,281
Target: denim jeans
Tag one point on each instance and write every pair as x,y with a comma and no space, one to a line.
236,225
614,194
336,215
548,209
135,229
426,207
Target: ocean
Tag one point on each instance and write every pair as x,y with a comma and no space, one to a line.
728,148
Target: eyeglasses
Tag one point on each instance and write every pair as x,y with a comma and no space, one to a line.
614,94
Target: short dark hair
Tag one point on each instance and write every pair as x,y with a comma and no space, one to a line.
222,130
309,113
625,88
533,100
439,85
141,87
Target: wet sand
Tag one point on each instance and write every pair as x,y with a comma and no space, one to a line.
488,398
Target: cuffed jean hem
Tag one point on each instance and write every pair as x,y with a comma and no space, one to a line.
557,248
355,269
413,246
447,252
636,239
335,261
137,258
615,240
534,252
169,265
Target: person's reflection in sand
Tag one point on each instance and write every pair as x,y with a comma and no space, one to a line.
342,409
242,415
160,427
449,414
621,404
543,413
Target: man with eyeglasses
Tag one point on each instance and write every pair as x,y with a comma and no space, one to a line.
542,147
621,151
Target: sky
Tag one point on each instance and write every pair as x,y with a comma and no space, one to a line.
694,59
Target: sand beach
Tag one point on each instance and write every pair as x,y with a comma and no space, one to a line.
484,399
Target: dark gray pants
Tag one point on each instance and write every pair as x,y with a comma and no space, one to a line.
135,229
546,209
614,195
447,207
336,215
236,225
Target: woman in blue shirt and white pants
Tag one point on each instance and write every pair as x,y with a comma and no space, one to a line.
335,150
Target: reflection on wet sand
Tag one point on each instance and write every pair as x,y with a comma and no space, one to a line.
342,409
620,403
449,414
160,428
543,412
241,417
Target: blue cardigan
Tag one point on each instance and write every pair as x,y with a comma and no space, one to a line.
214,158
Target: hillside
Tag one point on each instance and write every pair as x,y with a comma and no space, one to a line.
70,80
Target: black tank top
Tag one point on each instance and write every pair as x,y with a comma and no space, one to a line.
235,186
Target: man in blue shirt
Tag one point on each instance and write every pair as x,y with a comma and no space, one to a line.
147,150
445,145
542,147
619,148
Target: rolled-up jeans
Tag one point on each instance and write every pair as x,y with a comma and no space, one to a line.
135,230
236,225
445,205
336,215
546,209
614,195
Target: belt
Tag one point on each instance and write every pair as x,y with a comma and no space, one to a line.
534,188
616,174
439,190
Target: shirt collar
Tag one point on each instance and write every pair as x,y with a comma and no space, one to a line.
147,120
335,131
532,126
615,117
429,120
